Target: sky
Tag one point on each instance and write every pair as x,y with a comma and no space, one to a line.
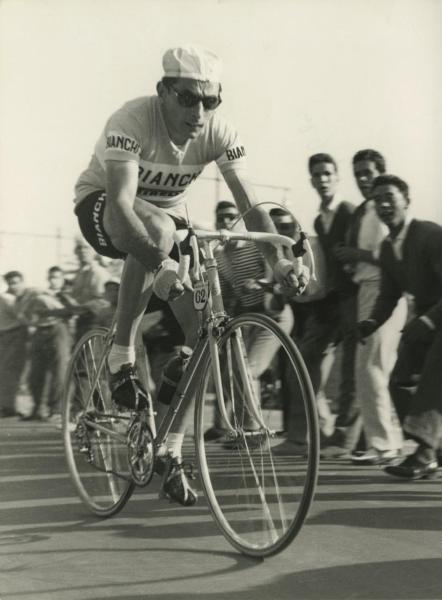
300,76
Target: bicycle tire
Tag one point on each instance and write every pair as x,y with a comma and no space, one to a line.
258,498
97,460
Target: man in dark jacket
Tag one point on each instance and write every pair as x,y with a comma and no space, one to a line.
411,262
334,322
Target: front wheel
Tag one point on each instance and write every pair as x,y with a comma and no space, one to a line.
258,490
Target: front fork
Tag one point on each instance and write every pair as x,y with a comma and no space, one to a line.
236,359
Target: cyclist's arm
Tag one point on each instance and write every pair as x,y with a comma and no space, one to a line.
128,231
257,219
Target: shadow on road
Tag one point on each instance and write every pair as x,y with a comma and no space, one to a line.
187,523
409,518
376,581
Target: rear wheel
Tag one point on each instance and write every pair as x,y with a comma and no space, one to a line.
259,495
94,432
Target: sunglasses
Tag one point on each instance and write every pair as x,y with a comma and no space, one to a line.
224,216
188,99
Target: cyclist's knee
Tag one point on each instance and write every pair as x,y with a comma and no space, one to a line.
160,228
152,216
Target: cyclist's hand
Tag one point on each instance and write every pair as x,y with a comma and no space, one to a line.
167,285
292,283
303,278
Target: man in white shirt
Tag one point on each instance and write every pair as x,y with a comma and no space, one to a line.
13,340
87,291
49,349
375,358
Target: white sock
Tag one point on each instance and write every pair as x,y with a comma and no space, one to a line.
175,444
119,356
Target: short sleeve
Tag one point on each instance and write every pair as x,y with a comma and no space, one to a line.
122,137
230,154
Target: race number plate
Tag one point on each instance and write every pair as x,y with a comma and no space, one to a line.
200,294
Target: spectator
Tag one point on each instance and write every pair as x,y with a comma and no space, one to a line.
374,359
49,349
87,289
411,261
241,266
13,340
56,281
106,316
284,222
335,321
307,309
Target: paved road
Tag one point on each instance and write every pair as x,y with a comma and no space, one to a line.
367,537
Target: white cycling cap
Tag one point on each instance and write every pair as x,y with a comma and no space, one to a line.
192,62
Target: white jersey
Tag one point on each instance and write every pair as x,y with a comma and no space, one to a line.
137,132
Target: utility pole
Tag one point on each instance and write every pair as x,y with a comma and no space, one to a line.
58,245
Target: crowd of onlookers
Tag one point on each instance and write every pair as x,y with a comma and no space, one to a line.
39,326
377,299
382,300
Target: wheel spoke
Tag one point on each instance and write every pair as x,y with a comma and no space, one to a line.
258,496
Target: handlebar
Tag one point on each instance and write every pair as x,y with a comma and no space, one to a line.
187,241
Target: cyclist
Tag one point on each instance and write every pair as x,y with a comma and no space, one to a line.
131,198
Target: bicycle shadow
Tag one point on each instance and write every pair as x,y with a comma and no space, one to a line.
240,563
155,518
373,581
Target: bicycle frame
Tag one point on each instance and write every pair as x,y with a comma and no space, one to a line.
215,317
212,320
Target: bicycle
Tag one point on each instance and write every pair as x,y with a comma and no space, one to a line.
258,499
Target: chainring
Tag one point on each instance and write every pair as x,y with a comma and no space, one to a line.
140,452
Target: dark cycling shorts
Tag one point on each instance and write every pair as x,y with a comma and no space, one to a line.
90,213
90,219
